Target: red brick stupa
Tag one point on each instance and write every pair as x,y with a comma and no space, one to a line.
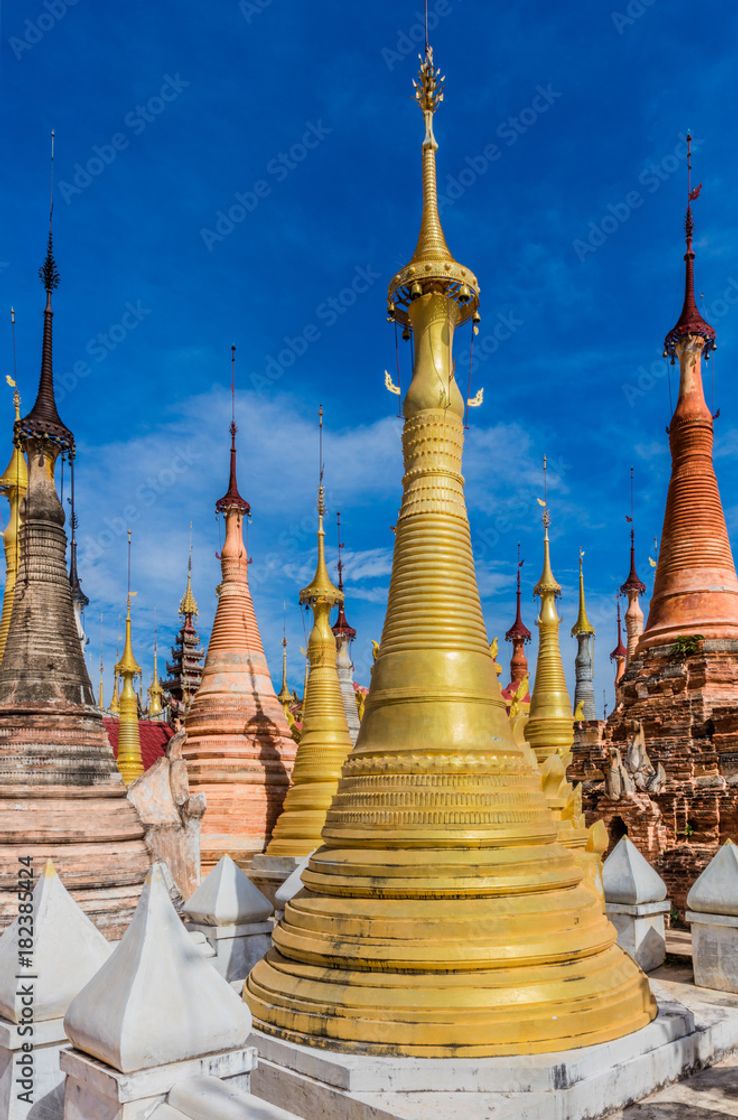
670,748
238,749
61,795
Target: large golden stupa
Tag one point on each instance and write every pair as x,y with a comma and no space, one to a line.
441,918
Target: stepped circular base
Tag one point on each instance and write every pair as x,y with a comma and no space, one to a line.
447,953
462,1016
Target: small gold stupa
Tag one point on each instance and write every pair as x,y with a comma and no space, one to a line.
324,741
441,918
130,762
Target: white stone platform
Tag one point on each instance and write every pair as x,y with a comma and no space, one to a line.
694,1027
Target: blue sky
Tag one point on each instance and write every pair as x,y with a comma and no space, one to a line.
562,175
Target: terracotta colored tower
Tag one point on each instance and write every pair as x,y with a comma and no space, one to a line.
696,589
674,729
344,635
620,653
238,748
519,635
633,588
61,796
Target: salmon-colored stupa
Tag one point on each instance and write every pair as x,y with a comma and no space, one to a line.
238,749
696,589
61,795
664,768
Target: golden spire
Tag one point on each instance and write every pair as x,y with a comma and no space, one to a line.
325,741
156,692
114,708
130,762
550,726
13,484
440,918
188,603
582,624
284,695
432,266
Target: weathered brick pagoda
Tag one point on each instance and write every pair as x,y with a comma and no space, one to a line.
664,768
61,795
238,749
185,668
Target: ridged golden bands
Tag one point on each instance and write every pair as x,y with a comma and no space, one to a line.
416,764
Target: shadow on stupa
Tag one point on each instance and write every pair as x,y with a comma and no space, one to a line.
276,779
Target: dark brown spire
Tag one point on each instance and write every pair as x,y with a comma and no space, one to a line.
341,627
690,321
633,582
518,631
620,651
43,421
232,500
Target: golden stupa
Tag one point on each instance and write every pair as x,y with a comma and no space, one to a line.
13,484
549,729
324,741
130,762
441,918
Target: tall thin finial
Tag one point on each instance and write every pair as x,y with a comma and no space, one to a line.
427,40
321,488
689,166
690,322
546,511
632,496
233,387
520,564
12,337
340,553
48,273
129,570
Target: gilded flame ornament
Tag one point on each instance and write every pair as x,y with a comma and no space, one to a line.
441,918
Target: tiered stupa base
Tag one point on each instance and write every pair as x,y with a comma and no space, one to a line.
576,1084
62,798
688,705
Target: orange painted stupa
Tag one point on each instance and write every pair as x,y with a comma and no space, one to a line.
61,795
238,749
696,589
